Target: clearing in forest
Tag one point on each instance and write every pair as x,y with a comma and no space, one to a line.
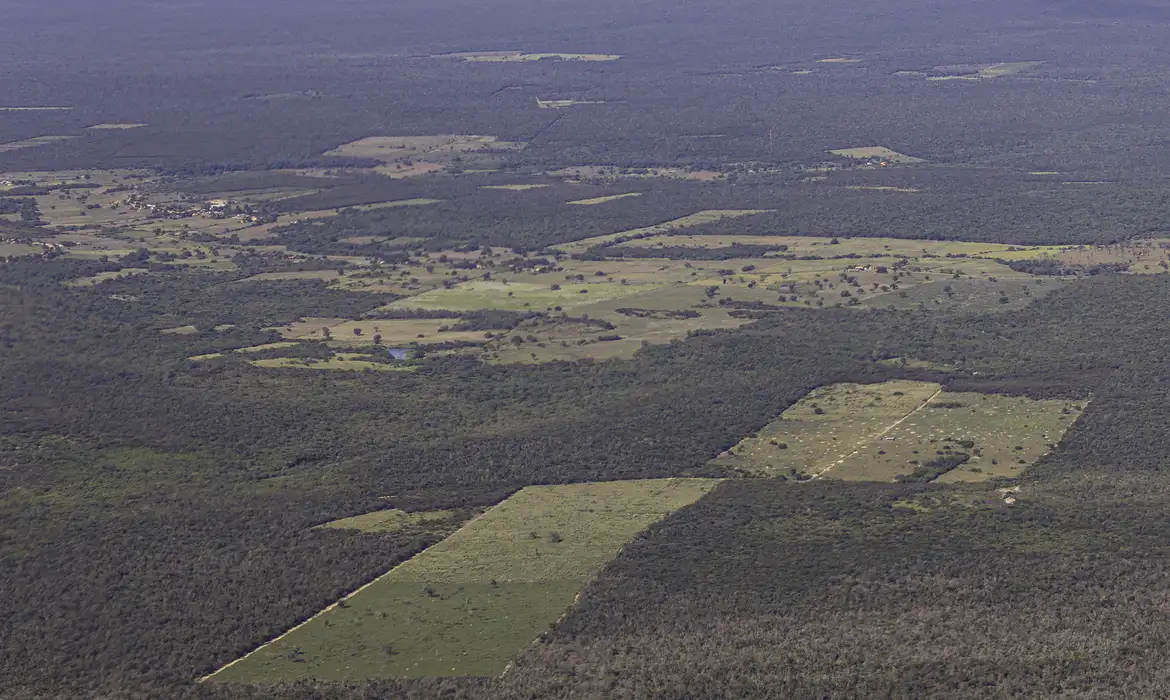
962,436
875,152
114,127
467,605
35,109
981,71
608,198
563,104
828,426
513,188
389,520
697,219
520,57
410,156
33,142
903,430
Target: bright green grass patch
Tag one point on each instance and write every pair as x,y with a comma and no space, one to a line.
467,605
389,520
1002,435
826,427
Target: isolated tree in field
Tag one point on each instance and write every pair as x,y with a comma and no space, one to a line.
357,331
377,340
326,333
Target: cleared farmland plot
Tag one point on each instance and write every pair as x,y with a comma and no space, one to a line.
867,152
901,429
1000,435
826,427
467,605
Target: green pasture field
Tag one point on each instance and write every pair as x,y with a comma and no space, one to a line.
389,520
1008,433
513,188
826,427
467,605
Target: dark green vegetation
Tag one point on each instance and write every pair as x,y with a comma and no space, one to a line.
158,516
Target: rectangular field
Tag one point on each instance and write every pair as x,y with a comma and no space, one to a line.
905,430
998,436
827,427
467,605
867,152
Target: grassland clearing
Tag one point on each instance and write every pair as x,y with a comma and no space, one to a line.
605,199
33,142
103,276
697,219
841,59
904,430
521,57
998,436
19,249
984,71
467,605
114,127
827,427
565,104
513,188
180,330
389,520
35,109
875,153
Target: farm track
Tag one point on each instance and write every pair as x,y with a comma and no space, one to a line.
878,435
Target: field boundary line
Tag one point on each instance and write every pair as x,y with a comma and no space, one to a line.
878,435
